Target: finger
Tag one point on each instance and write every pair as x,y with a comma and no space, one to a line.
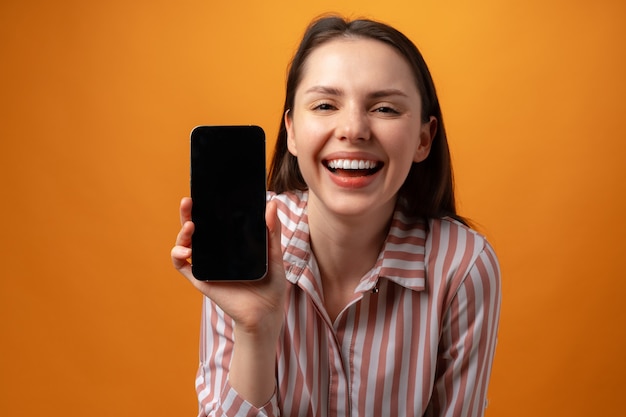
180,257
181,252
184,235
185,209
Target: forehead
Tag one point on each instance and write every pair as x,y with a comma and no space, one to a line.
350,60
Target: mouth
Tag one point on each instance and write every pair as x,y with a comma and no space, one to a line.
353,167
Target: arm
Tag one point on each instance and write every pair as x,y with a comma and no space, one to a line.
468,342
250,313
216,395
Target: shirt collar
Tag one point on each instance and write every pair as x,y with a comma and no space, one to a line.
402,257
401,260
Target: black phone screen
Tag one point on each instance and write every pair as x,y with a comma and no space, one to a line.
228,180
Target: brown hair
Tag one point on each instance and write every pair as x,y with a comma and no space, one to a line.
428,190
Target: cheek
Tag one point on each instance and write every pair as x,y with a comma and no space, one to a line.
401,141
401,151
309,138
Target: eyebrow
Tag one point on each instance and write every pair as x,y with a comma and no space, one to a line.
324,90
337,92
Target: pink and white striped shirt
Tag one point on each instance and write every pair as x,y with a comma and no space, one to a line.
417,339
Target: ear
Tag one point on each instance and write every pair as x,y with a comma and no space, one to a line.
291,143
427,134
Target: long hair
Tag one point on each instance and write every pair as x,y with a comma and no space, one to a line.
428,190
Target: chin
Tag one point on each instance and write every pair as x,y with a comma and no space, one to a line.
357,205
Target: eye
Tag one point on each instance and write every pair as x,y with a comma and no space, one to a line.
386,110
323,106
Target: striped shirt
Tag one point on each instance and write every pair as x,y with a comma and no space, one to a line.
417,339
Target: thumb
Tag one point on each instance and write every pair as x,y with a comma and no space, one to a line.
274,229
272,221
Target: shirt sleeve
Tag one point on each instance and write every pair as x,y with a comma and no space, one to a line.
468,342
216,397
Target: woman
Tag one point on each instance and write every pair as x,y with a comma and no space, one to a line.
380,300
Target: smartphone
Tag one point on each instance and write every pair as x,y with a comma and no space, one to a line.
228,189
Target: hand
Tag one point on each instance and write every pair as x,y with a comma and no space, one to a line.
255,306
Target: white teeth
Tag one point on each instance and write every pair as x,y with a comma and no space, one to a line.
351,164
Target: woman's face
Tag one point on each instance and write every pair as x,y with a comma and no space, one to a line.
356,126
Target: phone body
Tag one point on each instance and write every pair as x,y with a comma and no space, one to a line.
228,191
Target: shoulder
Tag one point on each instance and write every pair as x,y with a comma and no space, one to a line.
447,234
291,200
291,207
454,249
440,236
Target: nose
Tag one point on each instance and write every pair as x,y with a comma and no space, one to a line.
352,124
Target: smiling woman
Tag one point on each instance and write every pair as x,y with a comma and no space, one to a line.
97,103
377,301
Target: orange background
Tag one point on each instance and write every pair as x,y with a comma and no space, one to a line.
98,99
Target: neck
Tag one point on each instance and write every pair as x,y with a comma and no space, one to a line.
346,247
